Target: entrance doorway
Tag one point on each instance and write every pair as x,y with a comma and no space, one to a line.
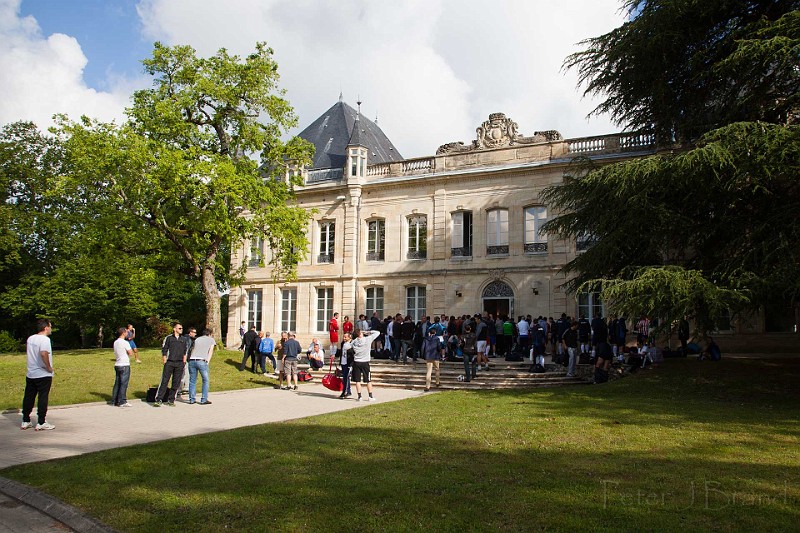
498,299
497,306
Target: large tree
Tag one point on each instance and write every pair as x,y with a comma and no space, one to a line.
182,174
712,222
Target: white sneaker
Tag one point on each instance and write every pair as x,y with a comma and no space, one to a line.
371,398
25,425
127,404
46,425
359,399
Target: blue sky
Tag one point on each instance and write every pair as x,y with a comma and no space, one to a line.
109,32
431,70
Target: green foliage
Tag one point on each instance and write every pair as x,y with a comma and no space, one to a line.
671,290
8,343
178,175
713,224
728,210
683,67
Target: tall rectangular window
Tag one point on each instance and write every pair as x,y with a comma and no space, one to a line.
461,245
256,252
584,241
415,302
327,238
324,308
374,301
289,310
417,237
376,240
255,299
590,303
535,217
497,232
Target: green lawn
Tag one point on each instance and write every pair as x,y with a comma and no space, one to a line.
88,376
688,447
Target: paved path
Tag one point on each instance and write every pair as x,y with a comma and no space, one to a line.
86,428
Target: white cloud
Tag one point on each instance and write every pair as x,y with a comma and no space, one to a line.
432,71
44,75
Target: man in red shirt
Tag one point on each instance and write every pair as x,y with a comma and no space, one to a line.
333,329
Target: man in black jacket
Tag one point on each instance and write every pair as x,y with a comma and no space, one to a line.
174,350
250,341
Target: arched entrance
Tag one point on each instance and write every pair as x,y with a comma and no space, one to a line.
498,299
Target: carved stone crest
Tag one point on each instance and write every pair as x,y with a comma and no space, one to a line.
497,274
498,132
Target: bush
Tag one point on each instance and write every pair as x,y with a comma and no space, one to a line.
156,329
8,343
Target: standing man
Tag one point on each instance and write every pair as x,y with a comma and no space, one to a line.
190,346
361,346
250,343
174,350
265,349
198,362
130,334
407,337
570,342
333,330
291,349
122,368
39,377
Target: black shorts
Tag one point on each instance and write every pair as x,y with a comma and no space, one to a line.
361,369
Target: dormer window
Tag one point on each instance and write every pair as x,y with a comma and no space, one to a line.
357,162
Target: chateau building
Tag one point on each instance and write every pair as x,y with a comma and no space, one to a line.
457,232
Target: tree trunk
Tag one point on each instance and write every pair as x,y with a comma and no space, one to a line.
84,336
211,293
100,335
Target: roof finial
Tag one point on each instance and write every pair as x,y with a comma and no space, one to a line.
376,118
340,95
359,105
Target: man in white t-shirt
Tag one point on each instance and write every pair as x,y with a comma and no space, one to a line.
39,377
198,362
122,369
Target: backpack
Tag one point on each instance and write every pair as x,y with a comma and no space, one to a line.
304,376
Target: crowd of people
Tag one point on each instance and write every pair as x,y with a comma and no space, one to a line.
473,339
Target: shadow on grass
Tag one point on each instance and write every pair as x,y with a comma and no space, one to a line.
102,395
660,452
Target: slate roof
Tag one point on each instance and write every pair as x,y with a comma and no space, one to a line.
331,133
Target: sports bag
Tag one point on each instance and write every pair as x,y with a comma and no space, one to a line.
331,381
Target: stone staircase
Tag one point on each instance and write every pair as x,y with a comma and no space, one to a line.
501,375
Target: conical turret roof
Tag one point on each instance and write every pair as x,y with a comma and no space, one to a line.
333,131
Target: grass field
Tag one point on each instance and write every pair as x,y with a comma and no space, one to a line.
88,376
687,447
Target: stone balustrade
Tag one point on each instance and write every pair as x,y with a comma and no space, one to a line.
617,143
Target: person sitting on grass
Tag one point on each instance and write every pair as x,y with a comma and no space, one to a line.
644,353
316,357
712,351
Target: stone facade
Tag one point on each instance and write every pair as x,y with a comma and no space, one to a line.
425,208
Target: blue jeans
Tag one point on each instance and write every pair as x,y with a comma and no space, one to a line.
120,391
573,356
263,361
345,379
196,365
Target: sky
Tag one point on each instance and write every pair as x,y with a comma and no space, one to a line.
430,71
